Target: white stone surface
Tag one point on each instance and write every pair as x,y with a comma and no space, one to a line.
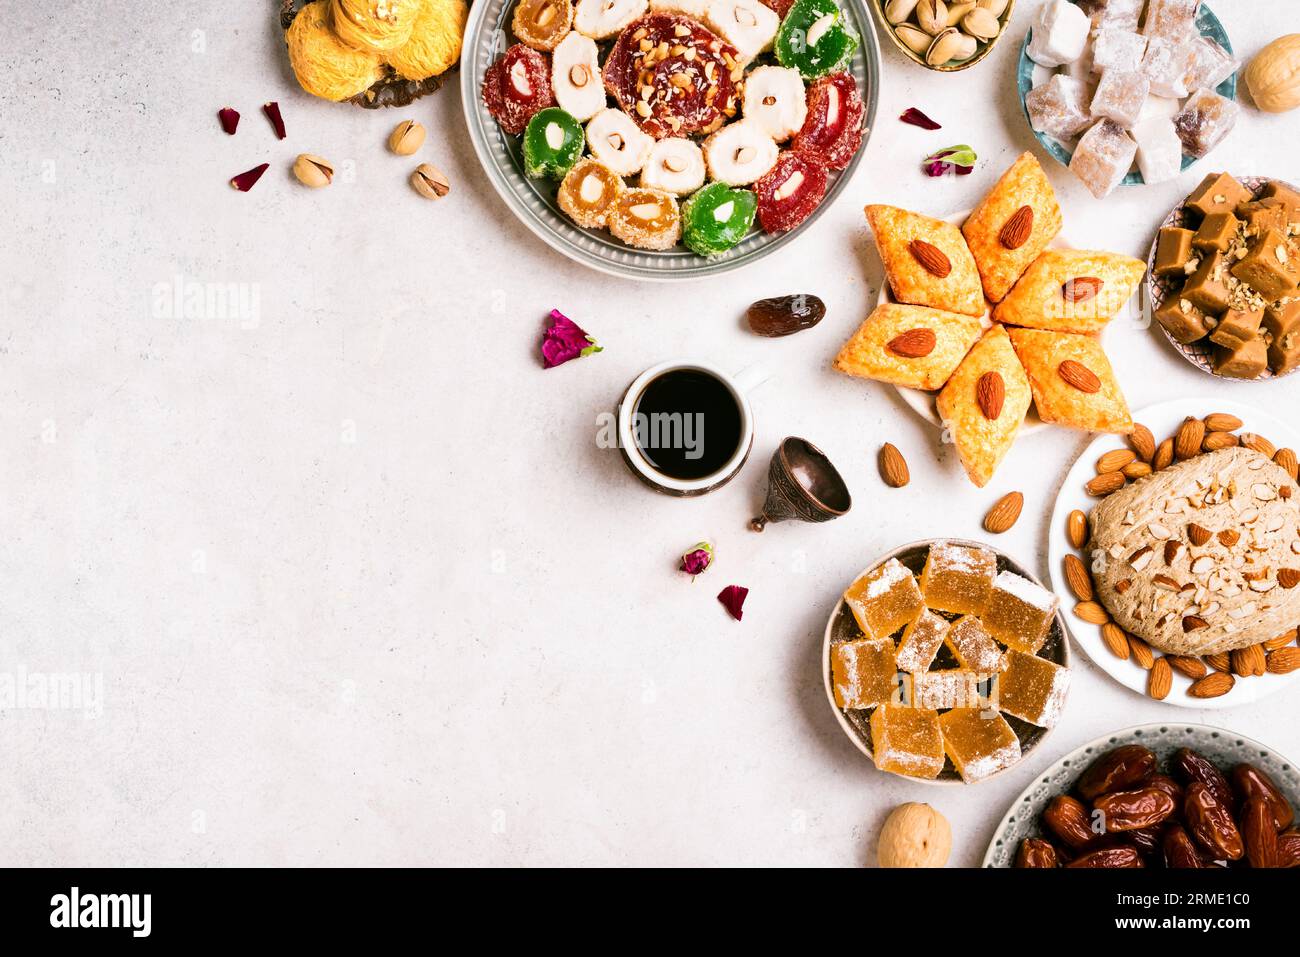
358,582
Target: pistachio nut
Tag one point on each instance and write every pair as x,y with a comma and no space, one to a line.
430,182
897,11
407,138
995,7
957,10
981,24
932,15
966,47
914,38
945,47
313,171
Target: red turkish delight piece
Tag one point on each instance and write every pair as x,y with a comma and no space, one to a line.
789,192
782,7
832,131
690,91
517,86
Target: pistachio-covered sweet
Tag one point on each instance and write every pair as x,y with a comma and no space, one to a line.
324,65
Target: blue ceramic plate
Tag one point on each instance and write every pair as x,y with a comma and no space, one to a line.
1209,26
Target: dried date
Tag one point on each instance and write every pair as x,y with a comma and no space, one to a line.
1251,782
1116,770
1109,857
1196,767
785,315
1036,853
1210,822
1131,810
1145,839
1288,848
1068,819
1259,833
1180,850
1163,782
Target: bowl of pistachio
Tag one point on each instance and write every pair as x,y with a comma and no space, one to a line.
945,35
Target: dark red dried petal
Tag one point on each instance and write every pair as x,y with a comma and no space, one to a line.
244,181
511,108
783,214
733,599
229,119
832,131
916,118
272,111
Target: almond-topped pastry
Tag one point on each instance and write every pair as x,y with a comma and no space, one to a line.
913,346
1196,558
927,261
1072,381
1071,290
984,404
1012,225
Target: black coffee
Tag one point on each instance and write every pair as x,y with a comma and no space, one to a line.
686,424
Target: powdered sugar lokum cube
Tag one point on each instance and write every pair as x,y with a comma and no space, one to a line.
1116,49
1208,65
1165,106
1124,14
1120,95
1059,34
1165,65
1160,151
1103,158
1059,107
1205,120
1171,19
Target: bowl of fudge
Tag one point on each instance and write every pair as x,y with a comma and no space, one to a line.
1223,277
1127,92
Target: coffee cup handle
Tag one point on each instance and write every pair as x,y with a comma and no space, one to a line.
751,377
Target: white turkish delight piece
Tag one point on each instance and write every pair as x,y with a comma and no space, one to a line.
1124,14
1059,107
1208,65
1120,96
1159,150
1103,157
1171,19
1117,49
1059,33
1165,65
1206,118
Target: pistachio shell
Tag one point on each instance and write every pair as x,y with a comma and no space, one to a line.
897,11
914,38
945,47
995,7
981,24
957,11
932,15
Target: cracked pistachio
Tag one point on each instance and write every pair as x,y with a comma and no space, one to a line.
406,138
430,182
313,171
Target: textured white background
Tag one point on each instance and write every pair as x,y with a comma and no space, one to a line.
360,585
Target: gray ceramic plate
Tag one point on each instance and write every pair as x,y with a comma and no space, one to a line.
1221,746
1209,26
842,626
533,201
1159,289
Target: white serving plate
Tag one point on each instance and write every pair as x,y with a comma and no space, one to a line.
1162,419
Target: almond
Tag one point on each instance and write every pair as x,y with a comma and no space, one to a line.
893,467
1288,577
1116,640
990,393
1228,537
932,258
1164,456
1187,665
1076,576
1214,685
1143,442
1004,513
1081,289
1198,535
1173,550
1286,458
1258,443
1161,680
1091,612
1141,652
1016,230
1076,529
1222,422
1080,376
1194,623
1114,460
913,344
1249,661
1136,470
1283,661
1214,441
1102,485
1220,662
1281,641
1123,585
1187,441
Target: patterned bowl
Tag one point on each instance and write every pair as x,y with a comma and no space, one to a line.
533,201
1206,22
842,626
1159,289
1220,745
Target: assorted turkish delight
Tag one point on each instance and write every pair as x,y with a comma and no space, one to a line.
1206,118
1166,64
1159,150
1059,107
1116,49
1119,96
1103,157
1208,64
1059,33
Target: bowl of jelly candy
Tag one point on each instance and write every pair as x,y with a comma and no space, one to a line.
1058,108
946,661
629,140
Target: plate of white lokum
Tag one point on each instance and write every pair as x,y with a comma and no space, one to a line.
1127,91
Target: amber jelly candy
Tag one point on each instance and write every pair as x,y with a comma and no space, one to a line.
980,743
907,741
589,192
958,578
1033,689
974,647
885,600
863,672
921,641
1020,612
647,219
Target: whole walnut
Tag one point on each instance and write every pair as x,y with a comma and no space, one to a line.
914,835
1273,77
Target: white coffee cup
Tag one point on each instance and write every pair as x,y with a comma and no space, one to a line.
738,385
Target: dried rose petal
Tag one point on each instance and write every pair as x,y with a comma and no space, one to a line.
957,159
915,117
229,119
244,181
563,340
272,111
733,599
697,559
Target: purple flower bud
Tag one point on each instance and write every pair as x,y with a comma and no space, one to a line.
563,340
